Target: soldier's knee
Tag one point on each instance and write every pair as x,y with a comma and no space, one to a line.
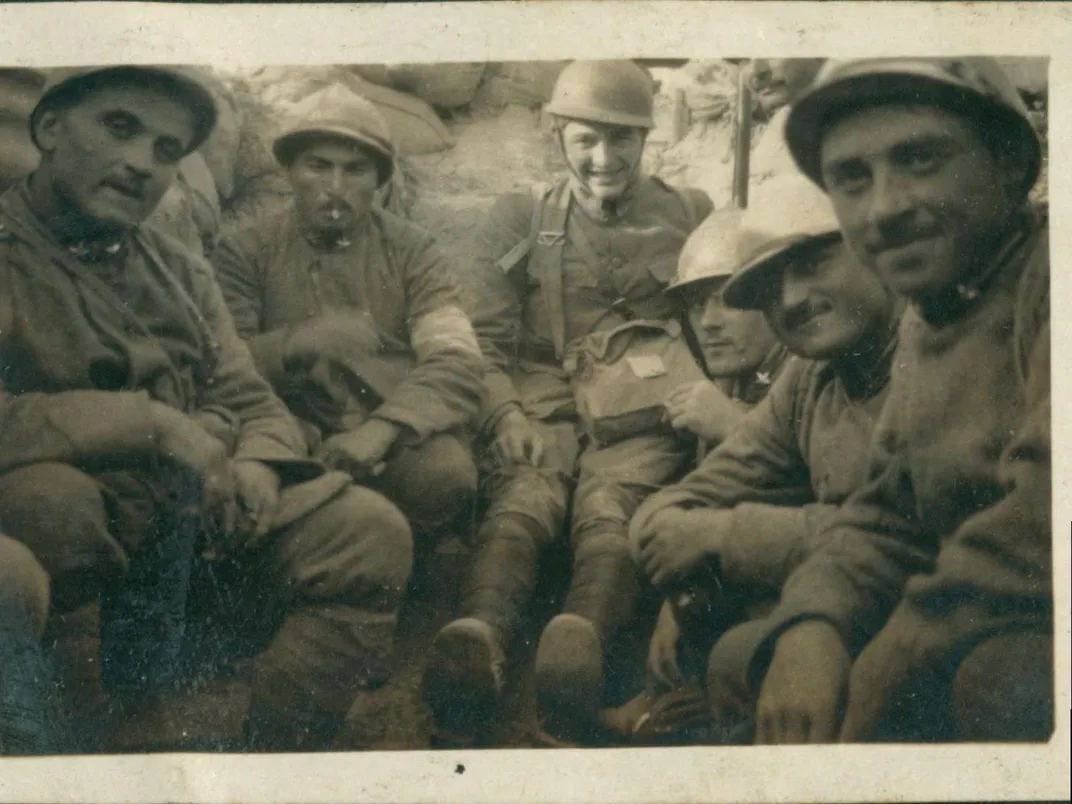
59,513
24,584
438,484
538,495
357,547
1004,690
50,496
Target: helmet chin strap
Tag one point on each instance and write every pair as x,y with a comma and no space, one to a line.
605,208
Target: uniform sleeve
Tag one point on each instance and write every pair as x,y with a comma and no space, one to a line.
74,427
268,431
497,301
996,571
759,473
444,390
870,547
241,280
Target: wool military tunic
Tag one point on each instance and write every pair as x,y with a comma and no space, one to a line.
388,270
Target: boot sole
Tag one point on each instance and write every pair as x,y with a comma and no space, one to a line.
569,678
460,687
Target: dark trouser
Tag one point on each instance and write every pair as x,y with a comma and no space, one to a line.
337,574
1003,690
433,483
528,511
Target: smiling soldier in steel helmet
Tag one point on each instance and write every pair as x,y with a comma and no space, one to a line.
752,506
939,568
586,254
137,439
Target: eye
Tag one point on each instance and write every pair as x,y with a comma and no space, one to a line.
169,150
121,125
360,168
923,159
848,178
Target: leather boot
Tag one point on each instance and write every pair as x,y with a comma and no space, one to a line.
463,682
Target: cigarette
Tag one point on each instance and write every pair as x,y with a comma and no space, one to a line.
335,214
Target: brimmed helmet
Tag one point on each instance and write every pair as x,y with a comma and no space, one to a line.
337,111
786,214
618,93
66,86
710,252
975,87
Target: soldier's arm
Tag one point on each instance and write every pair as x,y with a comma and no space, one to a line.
267,431
242,282
75,427
870,547
496,300
759,474
444,390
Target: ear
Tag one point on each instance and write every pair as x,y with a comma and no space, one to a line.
47,129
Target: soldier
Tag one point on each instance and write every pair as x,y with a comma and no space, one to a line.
739,351
353,315
752,509
136,435
939,568
581,256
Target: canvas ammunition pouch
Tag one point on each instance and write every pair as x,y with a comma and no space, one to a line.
622,376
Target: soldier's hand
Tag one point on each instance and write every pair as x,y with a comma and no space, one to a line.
361,452
182,440
517,441
678,540
704,410
803,694
662,652
258,494
334,335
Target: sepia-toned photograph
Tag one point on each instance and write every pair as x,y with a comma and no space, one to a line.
582,403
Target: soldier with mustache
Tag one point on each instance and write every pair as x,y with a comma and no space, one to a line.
353,315
140,448
928,613
575,258
753,508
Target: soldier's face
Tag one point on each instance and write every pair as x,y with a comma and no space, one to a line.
827,303
918,194
778,82
334,184
733,342
605,158
111,158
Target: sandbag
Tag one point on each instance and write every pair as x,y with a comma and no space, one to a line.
525,83
415,127
19,92
443,86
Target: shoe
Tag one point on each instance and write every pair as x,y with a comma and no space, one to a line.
569,678
463,682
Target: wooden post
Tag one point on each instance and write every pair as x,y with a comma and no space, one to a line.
742,151
679,121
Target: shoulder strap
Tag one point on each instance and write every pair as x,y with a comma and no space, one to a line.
546,259
510,260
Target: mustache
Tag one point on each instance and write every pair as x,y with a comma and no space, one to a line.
895,234
802,313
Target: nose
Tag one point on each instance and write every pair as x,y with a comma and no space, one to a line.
714,313
601,154
794,292
335,183
140,156
891,199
